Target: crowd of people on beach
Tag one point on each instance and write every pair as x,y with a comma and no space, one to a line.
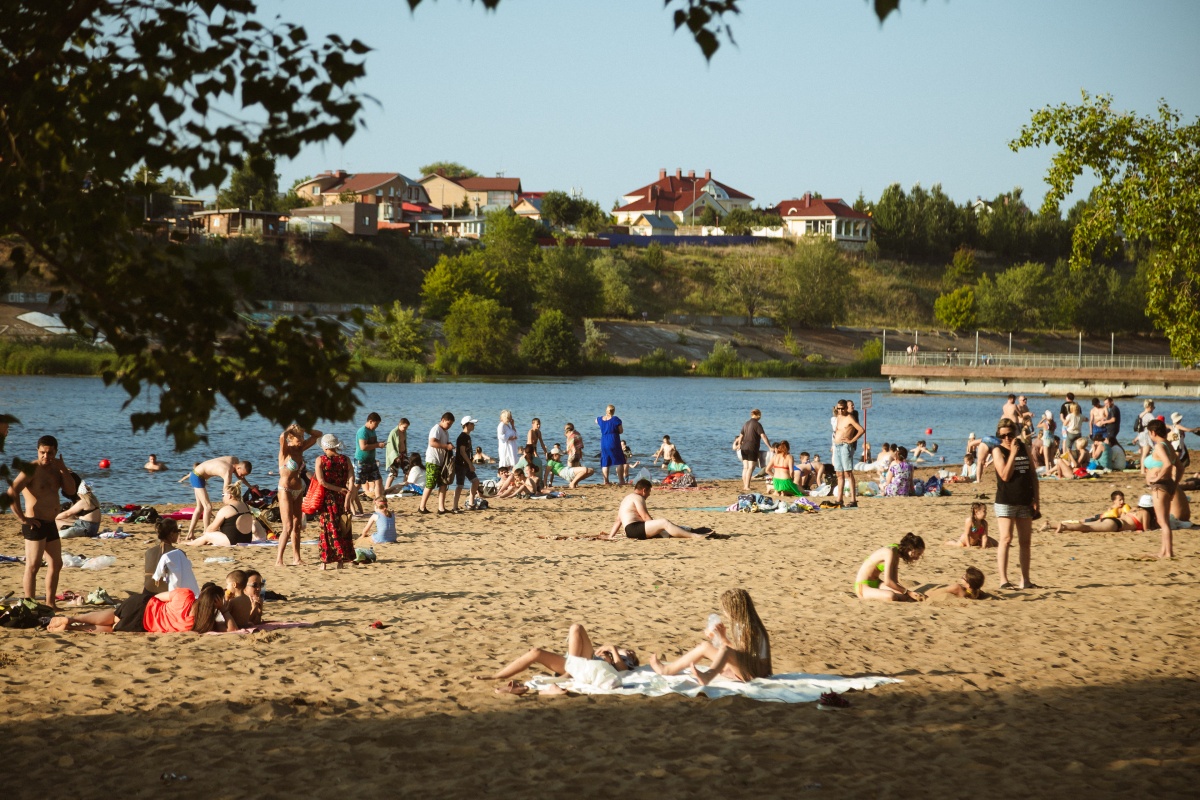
1025,448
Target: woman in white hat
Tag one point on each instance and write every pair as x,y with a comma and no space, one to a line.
83,517
333,473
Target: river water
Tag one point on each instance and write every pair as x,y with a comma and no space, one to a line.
702,416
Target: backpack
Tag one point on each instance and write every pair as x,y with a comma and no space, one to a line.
1138,425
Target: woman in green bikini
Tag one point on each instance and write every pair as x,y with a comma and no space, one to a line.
877,577
781,468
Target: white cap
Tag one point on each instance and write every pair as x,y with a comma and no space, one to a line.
468,419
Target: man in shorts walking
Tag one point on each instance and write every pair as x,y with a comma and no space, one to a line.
40,491
846,432
633,519
437,454
746,444
464,466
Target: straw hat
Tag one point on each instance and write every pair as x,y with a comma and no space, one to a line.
331,442
1176,418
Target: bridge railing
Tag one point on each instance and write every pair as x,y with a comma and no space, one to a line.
934,358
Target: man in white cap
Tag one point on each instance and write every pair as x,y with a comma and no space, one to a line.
464,465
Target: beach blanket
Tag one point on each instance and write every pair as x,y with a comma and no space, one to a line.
12,559
790,688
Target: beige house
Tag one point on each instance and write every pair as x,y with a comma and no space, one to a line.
481,194
653,225
241,222
358,219
388,190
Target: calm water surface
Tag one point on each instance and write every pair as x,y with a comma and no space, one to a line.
702,416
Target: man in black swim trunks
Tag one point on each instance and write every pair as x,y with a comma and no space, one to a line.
40,490
633,519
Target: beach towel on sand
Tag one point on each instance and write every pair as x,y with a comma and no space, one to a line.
791,688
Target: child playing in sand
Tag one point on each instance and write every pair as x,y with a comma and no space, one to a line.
968,587
781,470
383,521
739,650
532,487
599,667
878,579
975,532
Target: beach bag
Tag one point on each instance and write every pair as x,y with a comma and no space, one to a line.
745,502
313,498
146,514
933,487
682,480
918,487
1138,425
488,488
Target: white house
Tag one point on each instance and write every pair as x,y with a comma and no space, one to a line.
831,217
681,197
652,225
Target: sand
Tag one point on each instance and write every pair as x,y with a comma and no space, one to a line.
1088,685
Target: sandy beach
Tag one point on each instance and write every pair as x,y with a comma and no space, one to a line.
1087,686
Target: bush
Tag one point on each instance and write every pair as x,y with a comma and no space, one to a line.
397,333
594,341
551,346
479,337
659,363
63,355
956,310
616,281
454,276
815,285
723,361
567,283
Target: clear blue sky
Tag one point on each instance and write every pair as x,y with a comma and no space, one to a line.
817,95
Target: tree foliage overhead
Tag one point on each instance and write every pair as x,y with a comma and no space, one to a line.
1149,190
94,91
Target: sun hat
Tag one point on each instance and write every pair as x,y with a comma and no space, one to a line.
1146,501
468,419
331,442
82,488
1176,418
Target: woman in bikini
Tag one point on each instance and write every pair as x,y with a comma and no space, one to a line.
878,578
781,467
292,444
737,645
233,524
1116,520
1162,476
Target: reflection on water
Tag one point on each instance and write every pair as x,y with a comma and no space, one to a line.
702,416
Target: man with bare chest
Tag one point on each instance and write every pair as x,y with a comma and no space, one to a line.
40,492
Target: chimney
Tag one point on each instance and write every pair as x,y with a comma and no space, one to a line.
708,174
691,174
808,199
662,173
341,173
678,173
654,190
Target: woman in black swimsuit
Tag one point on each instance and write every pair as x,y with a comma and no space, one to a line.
233,524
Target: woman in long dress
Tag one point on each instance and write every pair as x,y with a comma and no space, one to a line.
611,453
506,438
335,476
292,444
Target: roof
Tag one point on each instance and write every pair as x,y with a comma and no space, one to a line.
656,221
676,194
490,184
363,182
535,202
819,207
244,211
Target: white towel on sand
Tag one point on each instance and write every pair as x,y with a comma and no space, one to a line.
790,688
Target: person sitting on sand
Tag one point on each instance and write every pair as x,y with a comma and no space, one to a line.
1141,518
177,611
572,475
878,577
383,522
153,464
168,536
738,646
82,517
509,482
633,519
968,587
230,469
975,532
237,604
588,665
970,468
803,474
781,470
255,590
898,480
532,485
233,524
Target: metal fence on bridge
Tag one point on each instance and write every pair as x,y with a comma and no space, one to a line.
935,358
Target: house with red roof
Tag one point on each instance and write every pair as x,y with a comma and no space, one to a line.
831,217
481,194
681,197
388,190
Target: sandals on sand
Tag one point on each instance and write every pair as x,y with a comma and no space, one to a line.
832,700
1007,585
512,687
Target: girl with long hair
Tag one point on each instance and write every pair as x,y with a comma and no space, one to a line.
738,645
878,577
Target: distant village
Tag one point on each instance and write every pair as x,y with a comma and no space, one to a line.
672,209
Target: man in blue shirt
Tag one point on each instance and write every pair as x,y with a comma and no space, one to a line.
366,470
